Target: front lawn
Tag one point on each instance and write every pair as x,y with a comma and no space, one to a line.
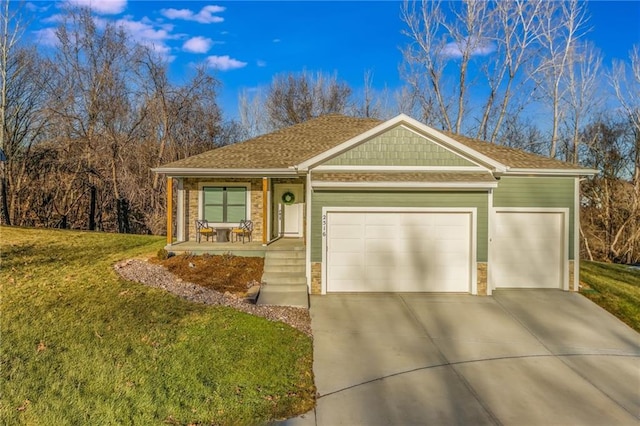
80,345
614,287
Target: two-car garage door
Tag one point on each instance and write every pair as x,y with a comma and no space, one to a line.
399,251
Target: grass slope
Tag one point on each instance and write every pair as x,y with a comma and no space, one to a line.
79,345
614,287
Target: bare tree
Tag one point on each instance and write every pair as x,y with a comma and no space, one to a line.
561,30
252,115
516,25
583,95
625,81
11,29
467,63
611,211
368,103
24,125
294,98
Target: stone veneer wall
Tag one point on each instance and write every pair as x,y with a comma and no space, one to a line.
316,277
571,275
482,278
191,200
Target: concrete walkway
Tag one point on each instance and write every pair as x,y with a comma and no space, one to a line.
525,357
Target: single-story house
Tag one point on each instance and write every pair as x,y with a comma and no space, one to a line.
392,206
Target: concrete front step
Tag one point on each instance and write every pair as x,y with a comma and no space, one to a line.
285,254
286,245
273,295
277,261
277,278
291,269
292,288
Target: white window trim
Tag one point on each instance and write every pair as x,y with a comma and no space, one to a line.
201,185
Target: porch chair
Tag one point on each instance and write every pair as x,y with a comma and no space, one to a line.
202,228
245,230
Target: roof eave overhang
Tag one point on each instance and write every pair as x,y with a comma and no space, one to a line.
202,172
550,172
405,185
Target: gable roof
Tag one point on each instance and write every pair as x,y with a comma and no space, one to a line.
312,142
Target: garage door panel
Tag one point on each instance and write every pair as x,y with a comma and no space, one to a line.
346,231
527,250
345,272
380,231
401,252
347,245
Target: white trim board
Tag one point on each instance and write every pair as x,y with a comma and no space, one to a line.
404,185
383,169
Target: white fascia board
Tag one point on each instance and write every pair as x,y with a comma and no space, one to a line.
398,120
186,172
379,169
552,172
403,185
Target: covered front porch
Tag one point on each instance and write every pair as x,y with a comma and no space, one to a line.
275,206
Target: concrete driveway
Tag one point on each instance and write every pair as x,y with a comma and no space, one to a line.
521,357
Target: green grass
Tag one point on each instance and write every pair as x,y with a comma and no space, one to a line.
79,345
614,287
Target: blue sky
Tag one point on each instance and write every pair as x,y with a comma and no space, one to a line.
246,43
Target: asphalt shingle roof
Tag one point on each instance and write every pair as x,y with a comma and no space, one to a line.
511,157
293,145
283,148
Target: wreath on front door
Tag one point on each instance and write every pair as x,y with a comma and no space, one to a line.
288,197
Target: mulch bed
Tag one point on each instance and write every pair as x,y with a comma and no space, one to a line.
231,275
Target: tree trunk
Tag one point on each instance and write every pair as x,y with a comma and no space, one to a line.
124,226
3,194
92,209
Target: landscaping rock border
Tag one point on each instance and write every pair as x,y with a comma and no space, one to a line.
158,276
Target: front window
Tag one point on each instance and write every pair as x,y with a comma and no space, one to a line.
224,204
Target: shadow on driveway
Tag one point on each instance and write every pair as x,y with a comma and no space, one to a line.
532,357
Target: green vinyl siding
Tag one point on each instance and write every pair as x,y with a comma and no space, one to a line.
398,147
538,192
333,198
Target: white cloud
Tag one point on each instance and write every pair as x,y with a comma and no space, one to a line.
261,63
276,40
205,16
103,7
46,37
143,31
455,49
197,45
32,7
224,63
56,18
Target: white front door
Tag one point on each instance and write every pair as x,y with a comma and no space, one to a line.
290,201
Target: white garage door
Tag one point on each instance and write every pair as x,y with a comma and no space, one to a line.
527,250
399,251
